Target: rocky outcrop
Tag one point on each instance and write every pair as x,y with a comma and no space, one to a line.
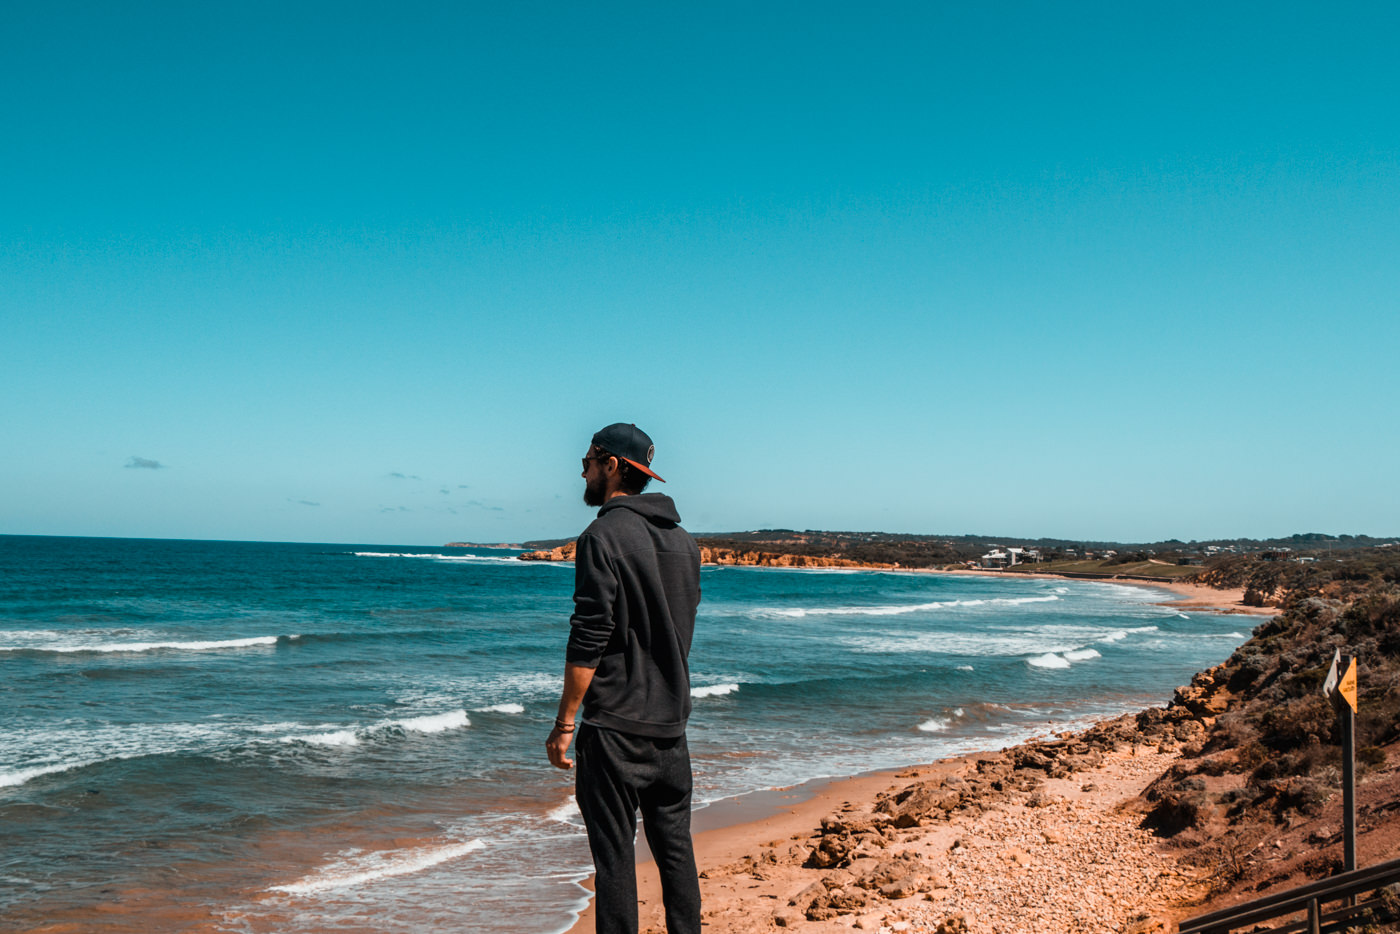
766,559
564,552
733,557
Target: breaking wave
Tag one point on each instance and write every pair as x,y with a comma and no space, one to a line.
714,690
892,609
361,869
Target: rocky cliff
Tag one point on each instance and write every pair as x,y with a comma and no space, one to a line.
731,556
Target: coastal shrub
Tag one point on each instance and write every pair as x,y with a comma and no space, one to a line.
1375,615
1371,757
1298,722
1247,669
1301,795
1292,764
1232,730
1378,720
1250,756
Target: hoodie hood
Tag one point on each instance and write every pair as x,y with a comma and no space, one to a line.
654,507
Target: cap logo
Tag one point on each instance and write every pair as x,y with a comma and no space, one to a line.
651,452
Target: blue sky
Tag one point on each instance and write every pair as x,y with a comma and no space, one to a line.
375,273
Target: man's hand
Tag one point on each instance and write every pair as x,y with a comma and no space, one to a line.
577,678
557,745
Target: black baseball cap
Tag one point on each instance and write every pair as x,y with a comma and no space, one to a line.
630,443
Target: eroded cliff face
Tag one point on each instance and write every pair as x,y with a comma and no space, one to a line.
730,556
564,552
768,559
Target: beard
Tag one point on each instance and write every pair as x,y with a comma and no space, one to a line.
594,494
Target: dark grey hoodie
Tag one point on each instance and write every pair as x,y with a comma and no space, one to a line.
636,589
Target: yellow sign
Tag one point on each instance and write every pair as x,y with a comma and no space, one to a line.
1347,685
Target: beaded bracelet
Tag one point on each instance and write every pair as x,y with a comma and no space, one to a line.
563,727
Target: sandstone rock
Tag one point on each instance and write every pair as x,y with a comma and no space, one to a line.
787,918
837,902
953,924
839,824
807,895
833,851
887,871
1032,759
903,887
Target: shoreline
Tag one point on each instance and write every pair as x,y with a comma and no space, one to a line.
785,813
771,820
759,873
1192,596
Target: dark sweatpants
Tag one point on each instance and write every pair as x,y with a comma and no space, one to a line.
618,773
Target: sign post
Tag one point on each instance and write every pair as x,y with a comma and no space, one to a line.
1340,688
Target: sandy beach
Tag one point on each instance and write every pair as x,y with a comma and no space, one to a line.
1191,596
1015,853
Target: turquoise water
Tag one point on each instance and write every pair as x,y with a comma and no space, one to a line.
351,736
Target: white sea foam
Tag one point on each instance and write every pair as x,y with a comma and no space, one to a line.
992,641
502,708
359,869
59,747
714,690
334,738
20,776
934,725
566,812
476,559
1118,635
1183,616
1048,660
435,723
965,668
1081,655
65,643
353,736
893,609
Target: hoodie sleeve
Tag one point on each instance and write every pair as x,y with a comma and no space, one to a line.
595,589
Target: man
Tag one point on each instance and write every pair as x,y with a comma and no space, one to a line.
636,590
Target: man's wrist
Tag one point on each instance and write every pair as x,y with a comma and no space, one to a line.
564,725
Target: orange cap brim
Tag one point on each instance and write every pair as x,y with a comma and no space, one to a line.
642,467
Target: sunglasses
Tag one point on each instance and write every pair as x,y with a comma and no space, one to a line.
595,457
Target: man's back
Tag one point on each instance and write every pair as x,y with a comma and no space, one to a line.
637,587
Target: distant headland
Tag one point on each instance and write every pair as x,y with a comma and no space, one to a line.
1263,569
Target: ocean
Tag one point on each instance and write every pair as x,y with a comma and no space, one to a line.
271,737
